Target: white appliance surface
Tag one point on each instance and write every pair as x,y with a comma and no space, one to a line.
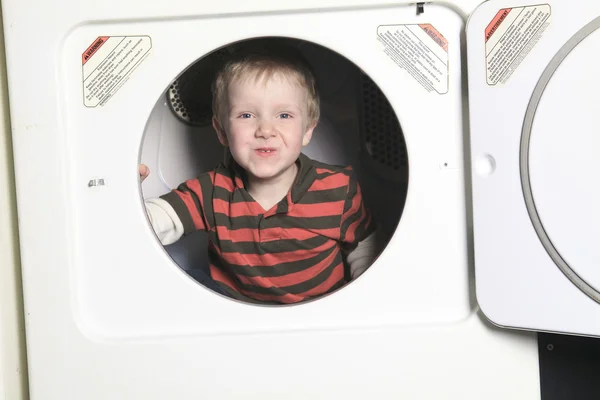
534,145
108,313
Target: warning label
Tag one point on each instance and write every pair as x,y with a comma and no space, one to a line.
509,38
108,63
419,49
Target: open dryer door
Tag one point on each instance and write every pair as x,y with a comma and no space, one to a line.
534,113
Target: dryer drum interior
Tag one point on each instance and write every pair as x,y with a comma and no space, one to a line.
358,127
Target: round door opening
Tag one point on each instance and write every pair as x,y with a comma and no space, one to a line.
236,208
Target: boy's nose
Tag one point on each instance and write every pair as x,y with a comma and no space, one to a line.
265,130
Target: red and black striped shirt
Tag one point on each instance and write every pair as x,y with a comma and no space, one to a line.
290,253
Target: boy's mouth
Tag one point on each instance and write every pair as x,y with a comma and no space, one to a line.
266,152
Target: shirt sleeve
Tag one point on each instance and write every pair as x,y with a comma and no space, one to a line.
192,203
164,220
363,255
356,222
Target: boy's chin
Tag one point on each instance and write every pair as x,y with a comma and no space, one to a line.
267,173
264,175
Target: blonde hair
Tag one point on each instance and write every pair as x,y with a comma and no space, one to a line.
263,62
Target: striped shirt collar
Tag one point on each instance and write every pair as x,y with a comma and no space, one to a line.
304,178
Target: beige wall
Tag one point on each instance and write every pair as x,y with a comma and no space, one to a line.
13,366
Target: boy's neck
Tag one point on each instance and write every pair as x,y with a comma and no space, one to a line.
268,192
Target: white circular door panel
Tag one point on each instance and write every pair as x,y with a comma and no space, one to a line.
560,161
535,117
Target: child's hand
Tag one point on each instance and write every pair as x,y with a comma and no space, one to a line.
144,172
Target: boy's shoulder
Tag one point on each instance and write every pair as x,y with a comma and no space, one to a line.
330,182
323,170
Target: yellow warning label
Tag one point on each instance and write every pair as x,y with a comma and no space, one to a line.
420,50
510,37
108,63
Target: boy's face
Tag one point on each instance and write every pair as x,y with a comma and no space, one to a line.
265,125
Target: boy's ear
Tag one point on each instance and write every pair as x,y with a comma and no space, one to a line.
308,134
220,131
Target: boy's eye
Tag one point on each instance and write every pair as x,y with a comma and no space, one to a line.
285,116
245,115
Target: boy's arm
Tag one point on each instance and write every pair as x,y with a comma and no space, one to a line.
361,241
180,211
164,220
361,258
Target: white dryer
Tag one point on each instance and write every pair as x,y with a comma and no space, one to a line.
109,311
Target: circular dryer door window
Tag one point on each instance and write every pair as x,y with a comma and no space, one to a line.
357,127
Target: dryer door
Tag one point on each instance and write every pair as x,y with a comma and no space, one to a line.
535,124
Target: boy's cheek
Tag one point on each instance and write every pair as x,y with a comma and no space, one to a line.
239,127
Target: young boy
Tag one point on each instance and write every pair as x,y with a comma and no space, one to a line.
282,228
